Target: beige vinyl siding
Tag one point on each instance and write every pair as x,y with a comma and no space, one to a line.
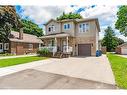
56,25
90,33
71,30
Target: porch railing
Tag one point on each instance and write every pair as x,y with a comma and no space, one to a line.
52,49
69,49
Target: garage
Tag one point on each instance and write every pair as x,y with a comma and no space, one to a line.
123,51
84,49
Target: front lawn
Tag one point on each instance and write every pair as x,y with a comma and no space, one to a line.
20,60
119,67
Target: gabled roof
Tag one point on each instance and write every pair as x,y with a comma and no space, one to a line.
50,21
27,38
124,44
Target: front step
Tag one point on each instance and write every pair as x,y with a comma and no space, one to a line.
61,55
58,55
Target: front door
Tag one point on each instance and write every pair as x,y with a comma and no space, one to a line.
19,49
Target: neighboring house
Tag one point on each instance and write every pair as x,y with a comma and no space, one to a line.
21,43
79,36
121,49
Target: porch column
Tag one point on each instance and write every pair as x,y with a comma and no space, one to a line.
55,41
55,48
67,43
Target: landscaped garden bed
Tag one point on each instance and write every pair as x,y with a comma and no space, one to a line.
6,54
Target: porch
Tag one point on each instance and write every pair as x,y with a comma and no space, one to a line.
58,43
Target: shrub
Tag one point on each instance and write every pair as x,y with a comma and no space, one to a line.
5,54
43,52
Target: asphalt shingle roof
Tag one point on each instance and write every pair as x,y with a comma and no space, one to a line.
28,38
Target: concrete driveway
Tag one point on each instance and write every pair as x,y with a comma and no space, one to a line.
90,68
33,79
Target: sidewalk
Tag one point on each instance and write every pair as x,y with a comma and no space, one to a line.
125,56
6,57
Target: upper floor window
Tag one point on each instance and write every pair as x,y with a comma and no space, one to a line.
66,26
51,28
83,27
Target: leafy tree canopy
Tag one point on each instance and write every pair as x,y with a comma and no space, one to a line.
8,19
109,39
31,28
69,16
121,23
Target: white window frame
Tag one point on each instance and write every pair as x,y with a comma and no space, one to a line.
40,45
52,28
66,24
83,27
1,49
6,46
30,46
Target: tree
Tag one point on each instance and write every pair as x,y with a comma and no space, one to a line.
69,16
8,19
121,23
31,28
109,39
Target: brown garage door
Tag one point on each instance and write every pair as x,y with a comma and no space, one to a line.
84,49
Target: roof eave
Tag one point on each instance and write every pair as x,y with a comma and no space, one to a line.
49,21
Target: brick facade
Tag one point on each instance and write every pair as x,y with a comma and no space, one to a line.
118,50
20,48
87,40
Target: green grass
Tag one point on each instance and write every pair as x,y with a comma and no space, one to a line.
20,60
119,67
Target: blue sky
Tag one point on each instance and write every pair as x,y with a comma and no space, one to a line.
41,14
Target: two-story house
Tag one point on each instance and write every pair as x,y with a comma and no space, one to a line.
79,36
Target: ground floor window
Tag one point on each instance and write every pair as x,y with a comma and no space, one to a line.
1,46
30,46
40,45
51,43
6,46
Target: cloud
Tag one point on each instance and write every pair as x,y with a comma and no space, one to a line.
105,14
41,15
